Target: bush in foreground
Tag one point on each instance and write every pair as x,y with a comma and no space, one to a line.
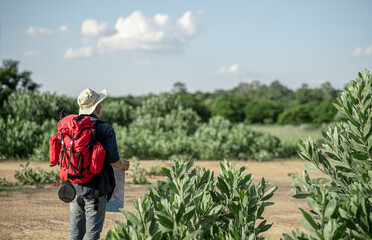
191,204
341,204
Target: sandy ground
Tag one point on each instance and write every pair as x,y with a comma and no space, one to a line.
39,214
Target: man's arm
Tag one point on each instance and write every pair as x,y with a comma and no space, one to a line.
121,163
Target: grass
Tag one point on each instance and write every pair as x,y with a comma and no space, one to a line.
6,186
290,132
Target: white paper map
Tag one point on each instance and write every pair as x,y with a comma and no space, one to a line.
117,199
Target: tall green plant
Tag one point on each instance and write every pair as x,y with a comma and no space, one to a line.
38,107
18,137
37,177
341,203
191,204
119,112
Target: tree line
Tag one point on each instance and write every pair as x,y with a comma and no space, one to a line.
172,124
251,102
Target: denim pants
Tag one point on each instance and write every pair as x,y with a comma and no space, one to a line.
84,219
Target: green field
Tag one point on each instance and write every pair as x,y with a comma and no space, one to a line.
291,132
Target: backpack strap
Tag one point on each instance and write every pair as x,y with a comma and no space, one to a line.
93,141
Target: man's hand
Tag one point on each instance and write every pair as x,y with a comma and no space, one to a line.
126,164
121,163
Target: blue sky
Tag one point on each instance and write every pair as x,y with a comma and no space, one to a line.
138,47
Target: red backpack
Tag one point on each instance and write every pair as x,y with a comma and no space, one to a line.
76,150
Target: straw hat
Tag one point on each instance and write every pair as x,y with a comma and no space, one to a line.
89,99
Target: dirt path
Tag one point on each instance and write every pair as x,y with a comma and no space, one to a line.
39,214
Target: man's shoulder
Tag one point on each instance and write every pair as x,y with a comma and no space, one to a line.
103,124
104,127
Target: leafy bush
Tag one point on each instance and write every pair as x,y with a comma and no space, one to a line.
159,106
38,107
180,134
29,176
340,204
138,174
288,149
118,112
180,121
192,205
23,138
155,171
41,150
220,139
18,137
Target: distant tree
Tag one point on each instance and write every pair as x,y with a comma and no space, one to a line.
296,115
229,107
262,111
250,90
277,91
303,94
179,87
329,93
12,80
323,111
190,101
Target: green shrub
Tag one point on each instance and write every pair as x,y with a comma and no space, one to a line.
118,112
288,149
18,137
41,150
181,135
138,173
192,205
340,204
155,171
29,176
38,107
159,106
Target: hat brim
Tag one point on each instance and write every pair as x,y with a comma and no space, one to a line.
102,95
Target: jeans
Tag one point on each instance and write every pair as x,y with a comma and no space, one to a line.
84,219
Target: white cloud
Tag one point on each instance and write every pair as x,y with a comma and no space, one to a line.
360,52
91,28
188,23
37,31
44,32
138,32
31,54
233,70
368,50
142,63
356,52
63,30
85,52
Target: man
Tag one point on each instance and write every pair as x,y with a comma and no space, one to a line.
87,210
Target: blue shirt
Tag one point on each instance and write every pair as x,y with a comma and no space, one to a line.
107,137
